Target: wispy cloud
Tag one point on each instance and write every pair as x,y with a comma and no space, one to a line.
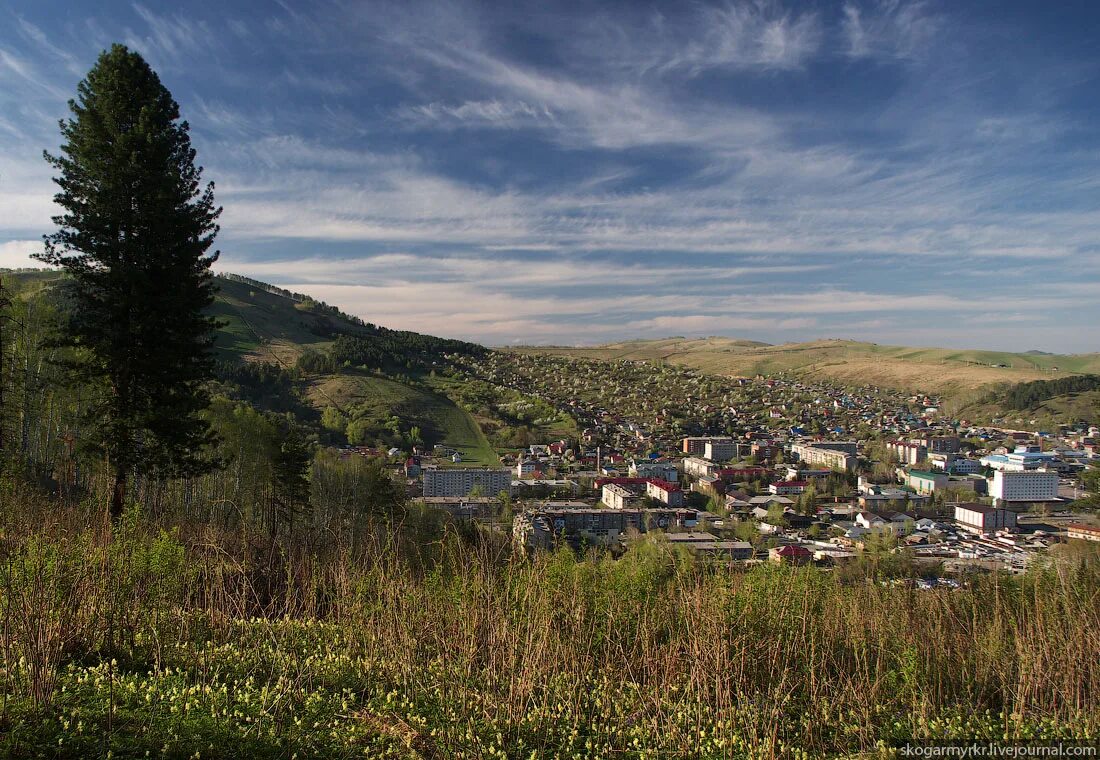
890,29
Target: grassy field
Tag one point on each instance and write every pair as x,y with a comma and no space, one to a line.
930,370
1048,414
156,645
440,420
262,326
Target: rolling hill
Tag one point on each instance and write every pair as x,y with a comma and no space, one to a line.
954,373
264,324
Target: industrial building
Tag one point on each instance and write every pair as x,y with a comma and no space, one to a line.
984,519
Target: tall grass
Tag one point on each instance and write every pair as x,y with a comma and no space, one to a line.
198,639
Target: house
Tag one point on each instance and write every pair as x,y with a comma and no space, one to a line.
899,522
764,501
870,521
791,554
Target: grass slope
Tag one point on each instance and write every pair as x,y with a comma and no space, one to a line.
438,417
262,326
950,372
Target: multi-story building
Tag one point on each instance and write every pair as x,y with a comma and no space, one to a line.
954,464
984,519
543,528
827,453
526,468
659,470
765,451
720,449
696,445
788,487
939,444
699,467
665,492
909,452
460,481
617,496
1023,486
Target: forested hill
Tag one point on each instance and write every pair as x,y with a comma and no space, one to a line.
344,379
262,322
266,322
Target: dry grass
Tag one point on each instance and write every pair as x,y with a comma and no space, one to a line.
455,649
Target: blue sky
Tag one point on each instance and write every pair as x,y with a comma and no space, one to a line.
902,172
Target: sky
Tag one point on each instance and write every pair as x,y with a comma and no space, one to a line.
920,173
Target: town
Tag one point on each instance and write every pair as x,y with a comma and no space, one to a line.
763,469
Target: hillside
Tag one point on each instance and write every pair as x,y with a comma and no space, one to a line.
948,372
265,325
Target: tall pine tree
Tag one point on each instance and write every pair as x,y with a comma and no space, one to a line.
134,236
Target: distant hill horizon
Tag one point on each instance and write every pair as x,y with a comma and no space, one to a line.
953,373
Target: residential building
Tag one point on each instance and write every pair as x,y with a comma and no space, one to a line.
940,444
720,449
460,481
908,452
699,467
464,506
617,496
1023,486
526,468
984,519
709,545
659,470
1083,532
665,492
544,528
787,487
827,454
696,445
791,554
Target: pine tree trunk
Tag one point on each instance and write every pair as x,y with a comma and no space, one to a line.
118,496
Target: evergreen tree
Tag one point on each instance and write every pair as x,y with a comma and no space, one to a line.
133,239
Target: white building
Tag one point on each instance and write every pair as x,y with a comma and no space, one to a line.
908,452
699,467
659,470
1023,458
616,496
1025,485
665,492
720,449
838,455
460,481
526,468
984,519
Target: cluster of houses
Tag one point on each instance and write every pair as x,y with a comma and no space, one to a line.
817,473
